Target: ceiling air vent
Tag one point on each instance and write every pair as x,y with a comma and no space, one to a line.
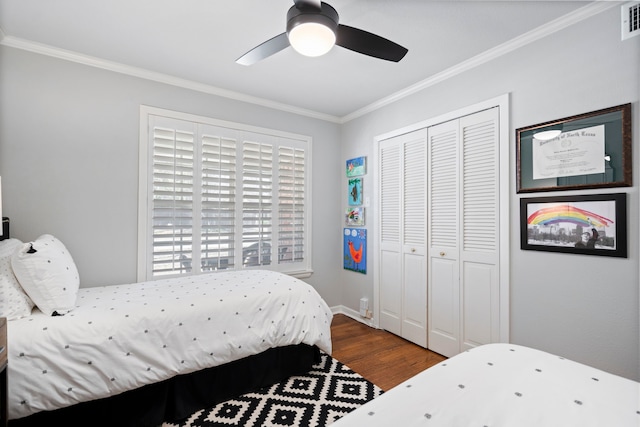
630,19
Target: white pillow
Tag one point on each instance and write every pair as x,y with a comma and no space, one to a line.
14,303
48,274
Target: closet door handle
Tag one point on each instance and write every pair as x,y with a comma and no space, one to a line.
442,253
413,249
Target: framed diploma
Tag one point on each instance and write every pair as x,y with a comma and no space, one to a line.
585,224
591,150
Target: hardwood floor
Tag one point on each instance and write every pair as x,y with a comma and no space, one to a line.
379,356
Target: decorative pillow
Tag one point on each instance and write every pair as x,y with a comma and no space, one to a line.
47,274
14,303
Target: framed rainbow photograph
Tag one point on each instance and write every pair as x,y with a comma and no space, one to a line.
582,224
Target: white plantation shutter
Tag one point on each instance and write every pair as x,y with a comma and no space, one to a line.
172,181
218,208
257,202
219,197
291,204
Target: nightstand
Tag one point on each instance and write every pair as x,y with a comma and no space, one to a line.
3,372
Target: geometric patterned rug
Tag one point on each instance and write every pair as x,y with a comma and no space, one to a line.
317,399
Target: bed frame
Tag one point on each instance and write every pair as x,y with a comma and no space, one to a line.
177,398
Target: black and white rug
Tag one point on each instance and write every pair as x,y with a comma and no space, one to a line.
317,399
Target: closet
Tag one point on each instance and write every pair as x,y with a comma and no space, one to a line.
439,233
403,261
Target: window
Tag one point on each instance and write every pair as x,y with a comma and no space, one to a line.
217,195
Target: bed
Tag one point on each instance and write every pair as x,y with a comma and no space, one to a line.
143,353
504,385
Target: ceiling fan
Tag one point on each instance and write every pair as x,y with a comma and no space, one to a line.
313,29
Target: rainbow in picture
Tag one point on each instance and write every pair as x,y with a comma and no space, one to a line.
567,214
576,224
589,224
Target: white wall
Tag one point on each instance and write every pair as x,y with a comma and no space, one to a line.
69,161
582,307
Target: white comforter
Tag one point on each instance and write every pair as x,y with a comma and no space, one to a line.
124,336
505,385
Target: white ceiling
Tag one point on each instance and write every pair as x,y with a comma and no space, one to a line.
198,42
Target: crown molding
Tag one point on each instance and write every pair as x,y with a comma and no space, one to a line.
142,73
538,33
545,30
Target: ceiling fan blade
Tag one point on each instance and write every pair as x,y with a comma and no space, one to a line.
313,4
369,44
264,50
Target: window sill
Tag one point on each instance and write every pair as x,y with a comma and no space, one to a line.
300,274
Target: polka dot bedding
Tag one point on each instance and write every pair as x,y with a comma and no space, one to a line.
122,337
504,385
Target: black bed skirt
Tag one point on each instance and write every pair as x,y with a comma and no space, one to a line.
179,397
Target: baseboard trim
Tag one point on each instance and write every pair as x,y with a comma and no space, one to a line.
355,315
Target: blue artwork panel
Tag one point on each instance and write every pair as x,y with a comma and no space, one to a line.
355,191
355,249
357,166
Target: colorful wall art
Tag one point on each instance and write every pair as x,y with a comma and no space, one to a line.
586,224
357,166
354,217
355,191
355,250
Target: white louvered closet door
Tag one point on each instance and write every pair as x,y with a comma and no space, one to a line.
414,249
444,292
403,280
390,272
463,229
479,248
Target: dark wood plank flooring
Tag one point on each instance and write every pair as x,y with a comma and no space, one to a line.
379,356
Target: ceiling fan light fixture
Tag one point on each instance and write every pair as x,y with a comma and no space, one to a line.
311,31
312,39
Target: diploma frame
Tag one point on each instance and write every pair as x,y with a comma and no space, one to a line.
556,224
617,141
